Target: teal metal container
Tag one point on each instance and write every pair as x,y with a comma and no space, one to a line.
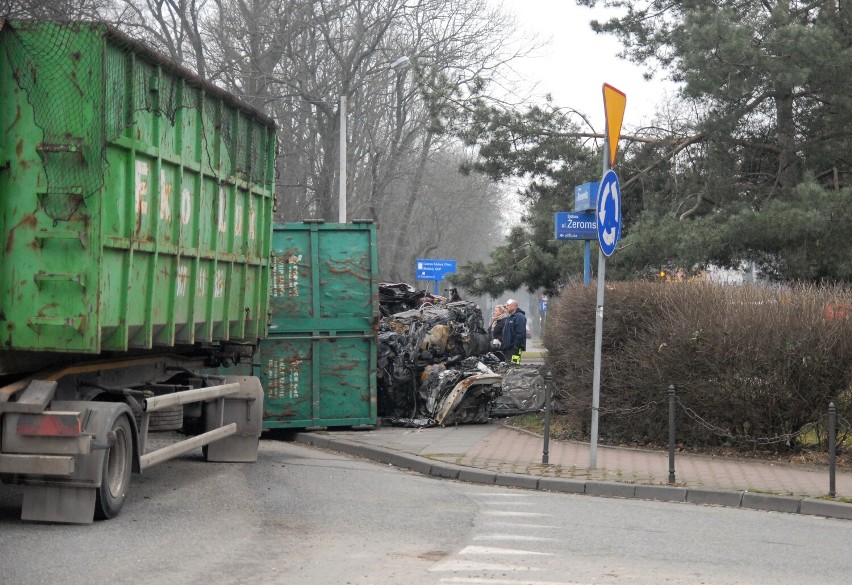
324,278
135,198
318,365
318,381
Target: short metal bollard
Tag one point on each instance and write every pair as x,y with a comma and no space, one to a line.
672,433
832,448
545,455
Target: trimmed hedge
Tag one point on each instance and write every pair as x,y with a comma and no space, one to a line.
753,366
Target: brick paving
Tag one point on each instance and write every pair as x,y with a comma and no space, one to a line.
513,451
503,449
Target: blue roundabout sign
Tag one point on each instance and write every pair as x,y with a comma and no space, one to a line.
608,211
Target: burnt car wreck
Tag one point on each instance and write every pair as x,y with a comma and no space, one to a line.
435,366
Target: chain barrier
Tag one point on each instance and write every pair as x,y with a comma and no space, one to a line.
786,438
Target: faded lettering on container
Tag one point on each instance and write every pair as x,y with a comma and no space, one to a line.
219,284
142,172
185,206
223,225
182,279
252,218
285,276
201,286
283,378
238,218
165,197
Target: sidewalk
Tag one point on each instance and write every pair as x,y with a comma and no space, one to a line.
496,454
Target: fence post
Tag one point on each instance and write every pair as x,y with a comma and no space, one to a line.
672,391
832,448
545,455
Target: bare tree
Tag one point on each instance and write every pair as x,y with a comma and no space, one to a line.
462,46
295,59
171,26
54,9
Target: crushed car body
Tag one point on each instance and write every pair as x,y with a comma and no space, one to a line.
435,366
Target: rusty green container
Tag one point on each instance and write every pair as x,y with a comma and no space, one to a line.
135,198
318,380
324,277
318,365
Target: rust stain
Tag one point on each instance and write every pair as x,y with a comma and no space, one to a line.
84,320
17,117
346,269
29,220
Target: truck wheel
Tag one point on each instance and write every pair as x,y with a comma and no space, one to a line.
115,478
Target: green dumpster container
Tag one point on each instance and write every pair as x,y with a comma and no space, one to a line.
324,278
135,198
318,365
318,381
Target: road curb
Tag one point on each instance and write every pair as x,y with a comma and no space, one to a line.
728,499
661,493
771,503
714,498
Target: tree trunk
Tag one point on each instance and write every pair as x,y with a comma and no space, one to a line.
788,163
400,252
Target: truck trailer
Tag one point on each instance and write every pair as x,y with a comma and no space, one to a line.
136,204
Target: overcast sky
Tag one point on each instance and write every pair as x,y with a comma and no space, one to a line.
577,62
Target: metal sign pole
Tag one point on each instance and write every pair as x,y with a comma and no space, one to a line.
599,312
609,231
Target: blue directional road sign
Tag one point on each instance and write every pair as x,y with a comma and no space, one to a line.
574,225
608,210
584,196
430,269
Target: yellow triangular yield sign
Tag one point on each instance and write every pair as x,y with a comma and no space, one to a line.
614,103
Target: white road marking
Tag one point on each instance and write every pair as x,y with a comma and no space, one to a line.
499,495
515,514
513,537
475,580
459,565
488,550
495,524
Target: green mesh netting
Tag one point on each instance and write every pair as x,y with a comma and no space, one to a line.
66,75
40,64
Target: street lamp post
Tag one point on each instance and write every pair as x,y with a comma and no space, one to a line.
341,214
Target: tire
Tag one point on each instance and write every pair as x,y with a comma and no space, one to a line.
168,419
115,478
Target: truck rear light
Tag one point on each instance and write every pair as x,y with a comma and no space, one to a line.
50,424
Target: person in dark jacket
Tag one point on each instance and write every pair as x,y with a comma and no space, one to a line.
496,330
514,332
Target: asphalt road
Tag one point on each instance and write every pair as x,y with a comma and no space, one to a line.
307,516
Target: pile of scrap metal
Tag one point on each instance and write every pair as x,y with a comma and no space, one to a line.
399,297
523,389
435,366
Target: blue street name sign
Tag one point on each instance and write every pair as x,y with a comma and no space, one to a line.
585,195
430,269
608,209
575,225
